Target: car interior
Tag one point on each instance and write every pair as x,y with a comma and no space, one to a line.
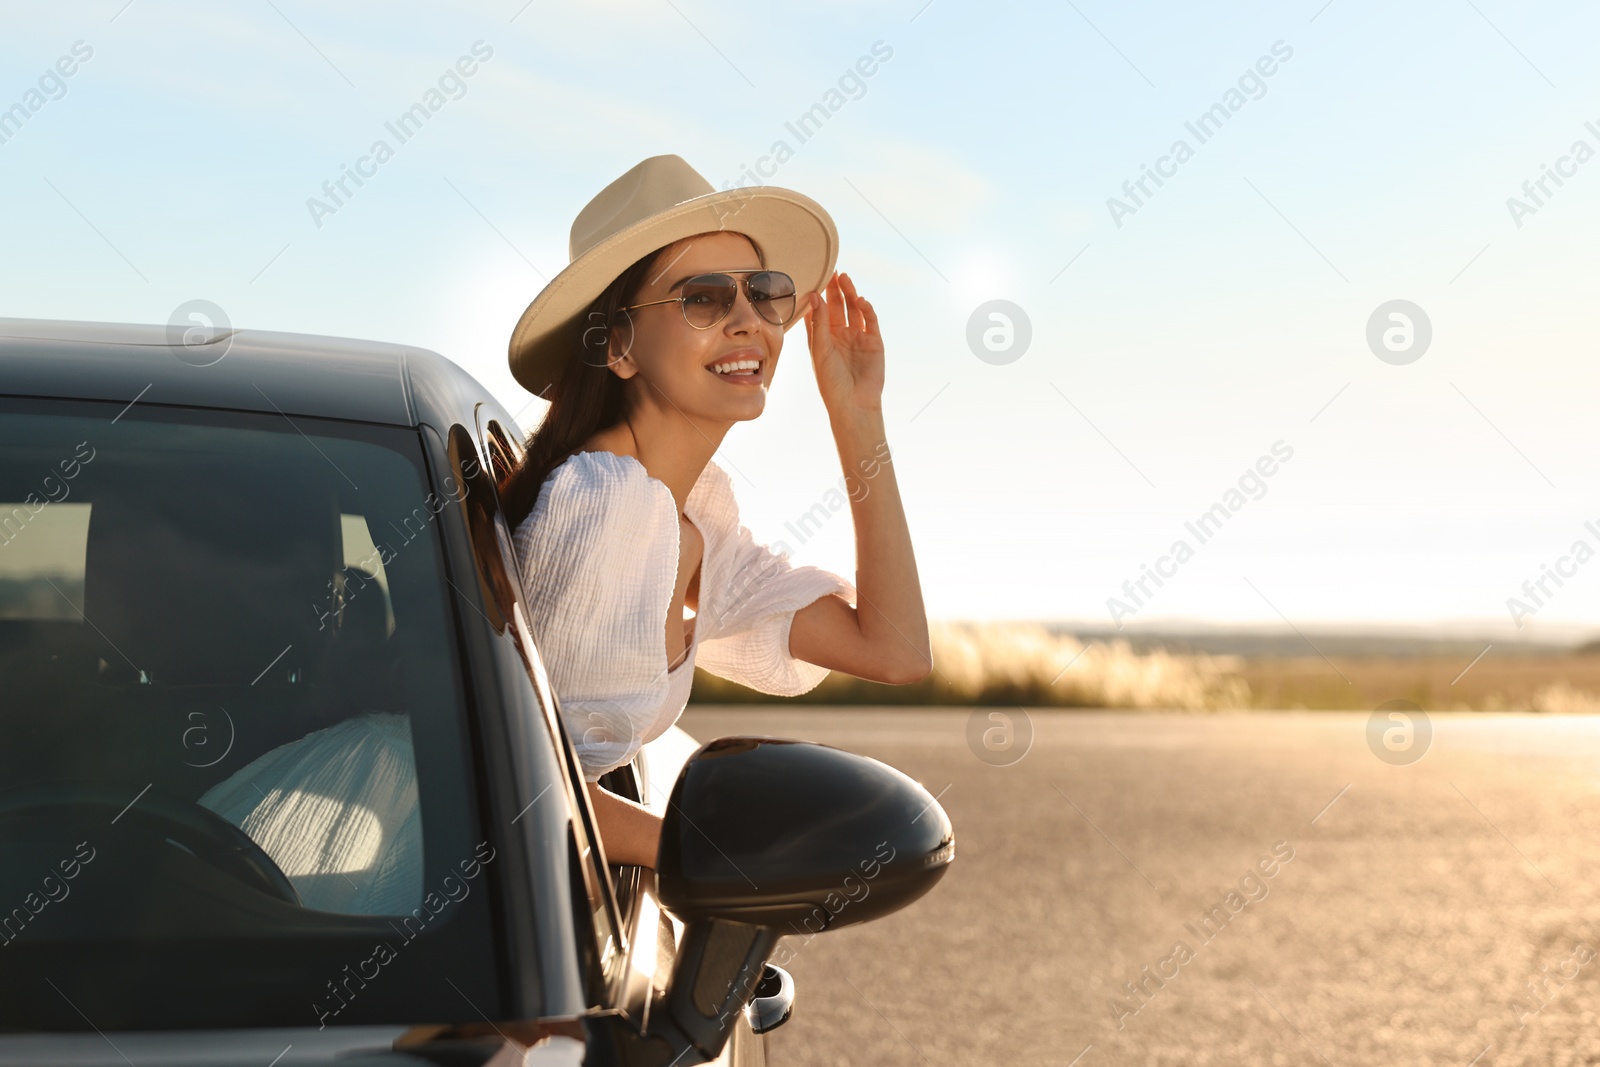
202,631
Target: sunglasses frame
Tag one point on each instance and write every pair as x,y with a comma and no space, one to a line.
738,284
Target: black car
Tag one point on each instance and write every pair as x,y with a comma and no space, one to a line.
281,776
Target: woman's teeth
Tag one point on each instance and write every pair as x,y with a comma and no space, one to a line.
737,366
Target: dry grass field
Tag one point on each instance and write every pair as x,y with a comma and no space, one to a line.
1559,684
1028,665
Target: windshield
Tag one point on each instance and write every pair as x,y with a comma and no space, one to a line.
234,778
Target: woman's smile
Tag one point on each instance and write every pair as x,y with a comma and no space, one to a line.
742,366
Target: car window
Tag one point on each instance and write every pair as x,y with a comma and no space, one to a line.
232,699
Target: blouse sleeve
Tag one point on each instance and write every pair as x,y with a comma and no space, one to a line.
598,588
757,592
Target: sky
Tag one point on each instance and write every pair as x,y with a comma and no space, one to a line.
1182,340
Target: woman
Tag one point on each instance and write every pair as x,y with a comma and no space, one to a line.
663,332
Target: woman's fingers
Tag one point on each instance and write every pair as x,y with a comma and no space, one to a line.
862,316
837,309
817,324
858,305
869,316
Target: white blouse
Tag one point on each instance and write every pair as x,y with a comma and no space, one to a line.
598,556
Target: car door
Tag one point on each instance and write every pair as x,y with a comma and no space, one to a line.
651,934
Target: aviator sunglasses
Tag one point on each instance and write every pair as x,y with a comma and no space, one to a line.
707,298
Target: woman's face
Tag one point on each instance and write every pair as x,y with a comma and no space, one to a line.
670,365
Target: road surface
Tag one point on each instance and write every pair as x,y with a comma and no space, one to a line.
1432,912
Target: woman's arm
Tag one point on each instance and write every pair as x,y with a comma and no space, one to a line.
629,832
885,637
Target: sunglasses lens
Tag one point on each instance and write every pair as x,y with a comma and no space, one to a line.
772,293
708,298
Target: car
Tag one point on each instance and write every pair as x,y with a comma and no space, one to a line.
282,777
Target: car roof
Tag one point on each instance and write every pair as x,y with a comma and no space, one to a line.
242,370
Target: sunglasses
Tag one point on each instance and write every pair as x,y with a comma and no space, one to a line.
707,298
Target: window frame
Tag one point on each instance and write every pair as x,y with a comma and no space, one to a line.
610,924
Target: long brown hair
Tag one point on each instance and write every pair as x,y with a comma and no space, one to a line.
587,397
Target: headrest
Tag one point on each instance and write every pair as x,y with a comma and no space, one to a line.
207,584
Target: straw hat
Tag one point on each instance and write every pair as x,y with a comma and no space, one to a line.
657,202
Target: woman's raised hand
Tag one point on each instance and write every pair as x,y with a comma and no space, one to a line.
846,348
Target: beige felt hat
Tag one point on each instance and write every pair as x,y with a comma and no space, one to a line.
657,202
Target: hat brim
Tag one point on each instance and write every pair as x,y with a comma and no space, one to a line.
796,234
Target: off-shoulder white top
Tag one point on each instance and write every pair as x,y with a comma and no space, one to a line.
598,556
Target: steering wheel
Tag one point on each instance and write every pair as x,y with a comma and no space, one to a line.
195,829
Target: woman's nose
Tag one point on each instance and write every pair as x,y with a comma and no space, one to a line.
743,315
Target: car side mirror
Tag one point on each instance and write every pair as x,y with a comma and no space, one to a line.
764,837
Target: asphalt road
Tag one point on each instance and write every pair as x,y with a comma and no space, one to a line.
1436,912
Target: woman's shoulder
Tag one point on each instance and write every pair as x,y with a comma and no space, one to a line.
588,480
598,491
598,470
